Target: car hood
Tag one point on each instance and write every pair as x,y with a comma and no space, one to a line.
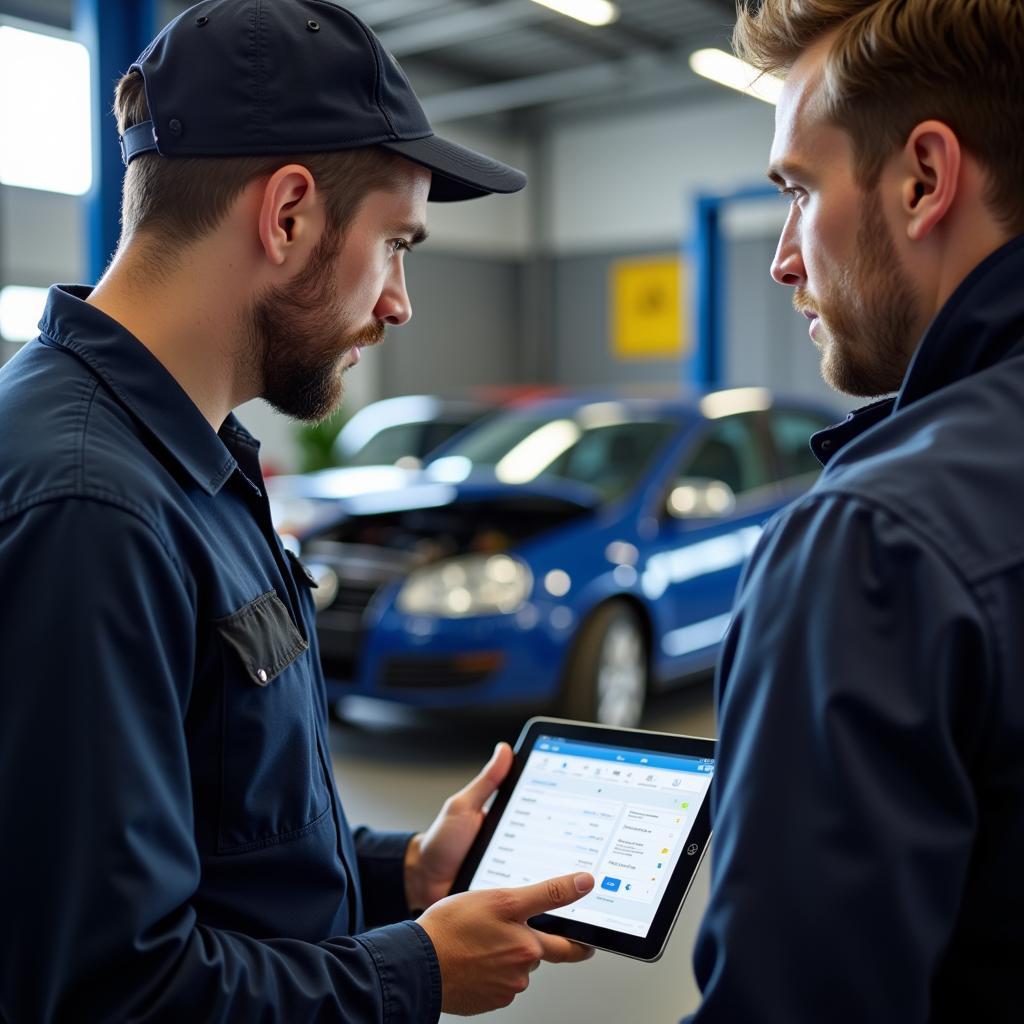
340,482
424,490
344,484
430,519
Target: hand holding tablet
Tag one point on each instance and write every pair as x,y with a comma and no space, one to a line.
628,806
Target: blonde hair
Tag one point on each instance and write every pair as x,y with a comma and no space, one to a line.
896,63
179,200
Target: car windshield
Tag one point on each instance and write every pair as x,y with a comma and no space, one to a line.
598,445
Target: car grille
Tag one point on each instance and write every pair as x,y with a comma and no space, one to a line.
415,673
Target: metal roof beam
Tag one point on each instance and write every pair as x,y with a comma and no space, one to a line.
548,88
461,26
380,12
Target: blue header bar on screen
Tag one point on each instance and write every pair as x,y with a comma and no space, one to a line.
643,758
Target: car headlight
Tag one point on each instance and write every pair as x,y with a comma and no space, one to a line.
467,585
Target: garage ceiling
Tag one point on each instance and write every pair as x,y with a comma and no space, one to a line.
516,60
475,58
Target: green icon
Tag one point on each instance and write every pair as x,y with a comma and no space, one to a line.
684,806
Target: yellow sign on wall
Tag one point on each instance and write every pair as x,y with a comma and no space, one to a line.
647,308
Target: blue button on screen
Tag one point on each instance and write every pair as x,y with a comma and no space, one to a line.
611,883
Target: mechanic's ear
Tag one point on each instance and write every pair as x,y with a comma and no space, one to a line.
291,216
932,158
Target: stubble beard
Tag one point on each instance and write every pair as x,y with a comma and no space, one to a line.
867,316
299,333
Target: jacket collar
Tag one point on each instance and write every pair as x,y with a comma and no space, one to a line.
140,382
980,325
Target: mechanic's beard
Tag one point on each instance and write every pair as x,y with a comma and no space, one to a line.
868,315
298,334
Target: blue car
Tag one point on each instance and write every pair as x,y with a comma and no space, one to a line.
576,554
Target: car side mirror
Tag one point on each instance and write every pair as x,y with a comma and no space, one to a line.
695,497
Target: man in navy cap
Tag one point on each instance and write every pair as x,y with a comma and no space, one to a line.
174,847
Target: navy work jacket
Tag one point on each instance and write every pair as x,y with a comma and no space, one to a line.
172,847
868,861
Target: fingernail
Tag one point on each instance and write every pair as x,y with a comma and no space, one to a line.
583,882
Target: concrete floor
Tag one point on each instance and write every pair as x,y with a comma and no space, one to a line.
394,771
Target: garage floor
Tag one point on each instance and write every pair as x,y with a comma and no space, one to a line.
395,771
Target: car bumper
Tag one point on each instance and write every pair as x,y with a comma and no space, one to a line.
487,662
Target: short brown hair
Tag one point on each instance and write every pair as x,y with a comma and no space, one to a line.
896,63
184,198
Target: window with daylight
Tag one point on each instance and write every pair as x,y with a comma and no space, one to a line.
45,113
20,310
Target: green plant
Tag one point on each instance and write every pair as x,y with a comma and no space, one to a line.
315,441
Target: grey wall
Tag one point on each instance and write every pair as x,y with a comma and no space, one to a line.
766,341
42,237
42,240
465,330
581,348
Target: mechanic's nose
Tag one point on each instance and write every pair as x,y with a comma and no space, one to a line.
788,264
394,306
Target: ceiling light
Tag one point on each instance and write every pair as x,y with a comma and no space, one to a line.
728,70
591,12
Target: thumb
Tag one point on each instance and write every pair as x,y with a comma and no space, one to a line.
551,894
476,793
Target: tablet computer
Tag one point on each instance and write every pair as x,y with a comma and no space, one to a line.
629,806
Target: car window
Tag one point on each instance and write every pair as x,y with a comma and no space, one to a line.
730,452
611,458
387,446
436,433
791,431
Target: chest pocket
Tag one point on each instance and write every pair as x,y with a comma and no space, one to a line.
272,777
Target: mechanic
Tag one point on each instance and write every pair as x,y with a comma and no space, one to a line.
173,844
869,830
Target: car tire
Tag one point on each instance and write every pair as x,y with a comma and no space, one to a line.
607,675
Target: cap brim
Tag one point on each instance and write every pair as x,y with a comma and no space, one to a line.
459,173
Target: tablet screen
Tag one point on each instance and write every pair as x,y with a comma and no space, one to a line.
623,814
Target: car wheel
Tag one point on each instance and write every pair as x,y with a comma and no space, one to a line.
606,681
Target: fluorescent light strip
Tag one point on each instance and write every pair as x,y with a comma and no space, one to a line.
590,12
725,69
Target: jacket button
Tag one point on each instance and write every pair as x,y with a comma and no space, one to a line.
262,675
175,126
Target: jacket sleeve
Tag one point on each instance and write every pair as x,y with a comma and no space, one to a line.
851,692
98,856
381,857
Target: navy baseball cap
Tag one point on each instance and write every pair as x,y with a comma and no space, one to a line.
259,77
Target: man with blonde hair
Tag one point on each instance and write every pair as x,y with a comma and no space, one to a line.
869,829
174,848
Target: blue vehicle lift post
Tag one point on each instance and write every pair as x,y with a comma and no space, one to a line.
116,32
705,368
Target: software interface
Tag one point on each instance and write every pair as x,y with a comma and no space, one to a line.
623,815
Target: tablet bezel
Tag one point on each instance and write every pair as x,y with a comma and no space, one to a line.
650,947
